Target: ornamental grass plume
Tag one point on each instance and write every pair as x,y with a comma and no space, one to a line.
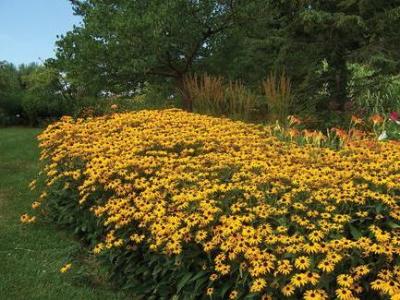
202,205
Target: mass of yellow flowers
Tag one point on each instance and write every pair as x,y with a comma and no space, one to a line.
300,220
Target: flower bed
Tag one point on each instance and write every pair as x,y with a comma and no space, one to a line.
190,206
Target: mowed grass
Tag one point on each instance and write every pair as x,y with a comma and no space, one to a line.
31,255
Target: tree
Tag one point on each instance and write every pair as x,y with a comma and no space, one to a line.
43,95
339,32
10,89
31,93
123,43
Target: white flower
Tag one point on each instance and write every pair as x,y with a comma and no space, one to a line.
383,136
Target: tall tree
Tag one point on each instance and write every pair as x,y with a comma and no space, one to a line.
10,89
122,43
338,31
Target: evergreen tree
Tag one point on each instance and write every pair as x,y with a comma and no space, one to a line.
339,32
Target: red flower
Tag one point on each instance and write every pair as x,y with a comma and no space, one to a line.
394,116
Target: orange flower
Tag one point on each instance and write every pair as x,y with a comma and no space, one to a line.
341,134
293,120
293,132
356,120
357,134
377,119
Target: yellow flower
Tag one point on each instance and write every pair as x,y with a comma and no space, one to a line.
344,280
25,218
233,295
316,236
288,290
258,285
344,294
65,268
213,277
35,205
299,280
312,278
32,185
284,267
302,263
98,248
311,247
315,295
360,271
326,266
210,291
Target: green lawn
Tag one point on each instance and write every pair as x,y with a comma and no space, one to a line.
31,255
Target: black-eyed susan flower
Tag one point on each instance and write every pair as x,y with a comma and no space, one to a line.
258,285
302,263
345,280
299,280
66,268
344,294
288,290
233,295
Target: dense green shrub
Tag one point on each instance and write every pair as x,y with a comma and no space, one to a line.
372,93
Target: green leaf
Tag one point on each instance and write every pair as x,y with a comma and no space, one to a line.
355,232
225,288
198,275
183,281
393,225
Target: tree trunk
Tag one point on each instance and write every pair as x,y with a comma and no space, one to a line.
341,85
186,100
338,83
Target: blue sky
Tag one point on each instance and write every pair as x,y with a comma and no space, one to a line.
28,28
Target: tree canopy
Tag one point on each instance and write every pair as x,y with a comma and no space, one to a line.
122,43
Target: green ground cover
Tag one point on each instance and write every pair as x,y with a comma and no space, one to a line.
31,255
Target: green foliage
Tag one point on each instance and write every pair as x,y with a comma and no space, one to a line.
125,43
43,97
30,94
10,94
122,45
373,93
298,35
39,94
